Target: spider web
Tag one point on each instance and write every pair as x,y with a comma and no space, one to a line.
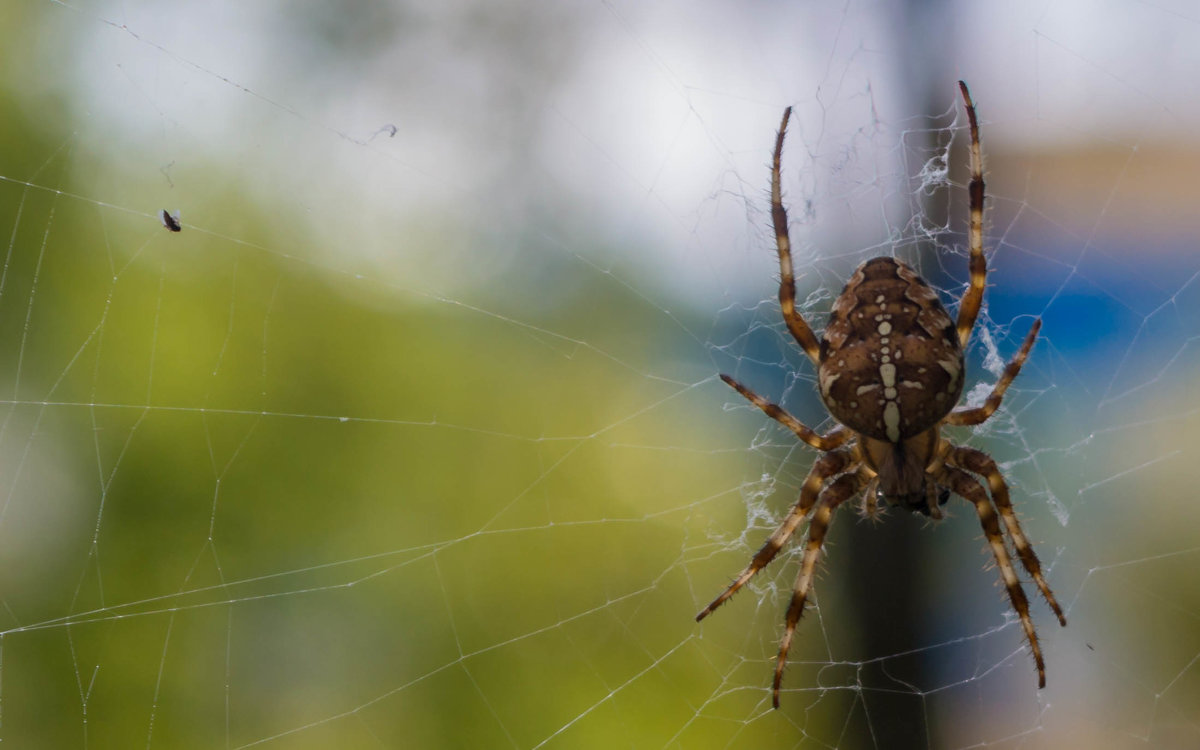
413,436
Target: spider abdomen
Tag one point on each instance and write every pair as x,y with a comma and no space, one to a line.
890,362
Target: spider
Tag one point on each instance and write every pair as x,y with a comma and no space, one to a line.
889,370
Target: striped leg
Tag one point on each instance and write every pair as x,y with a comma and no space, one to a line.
972,300
787,279
982,464
844,488
825,467
979,414
966,486
827,442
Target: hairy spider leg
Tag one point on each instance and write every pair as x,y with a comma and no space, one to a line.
972,300
968,487
825,467
841,489
787,279
982,464
980,414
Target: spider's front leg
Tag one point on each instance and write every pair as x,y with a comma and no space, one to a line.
982,464
841,489
966,486
823,468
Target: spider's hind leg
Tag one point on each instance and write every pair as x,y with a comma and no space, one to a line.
787,279
972,300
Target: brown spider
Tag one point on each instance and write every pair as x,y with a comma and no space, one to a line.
889,368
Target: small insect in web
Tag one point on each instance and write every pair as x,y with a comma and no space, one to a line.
890,371
171,220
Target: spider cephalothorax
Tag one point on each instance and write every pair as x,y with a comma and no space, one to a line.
890,371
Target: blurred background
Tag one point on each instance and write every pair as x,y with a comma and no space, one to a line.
413,436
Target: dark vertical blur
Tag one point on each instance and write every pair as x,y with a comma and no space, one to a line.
886,575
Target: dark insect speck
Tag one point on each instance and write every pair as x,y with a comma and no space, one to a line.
171,221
